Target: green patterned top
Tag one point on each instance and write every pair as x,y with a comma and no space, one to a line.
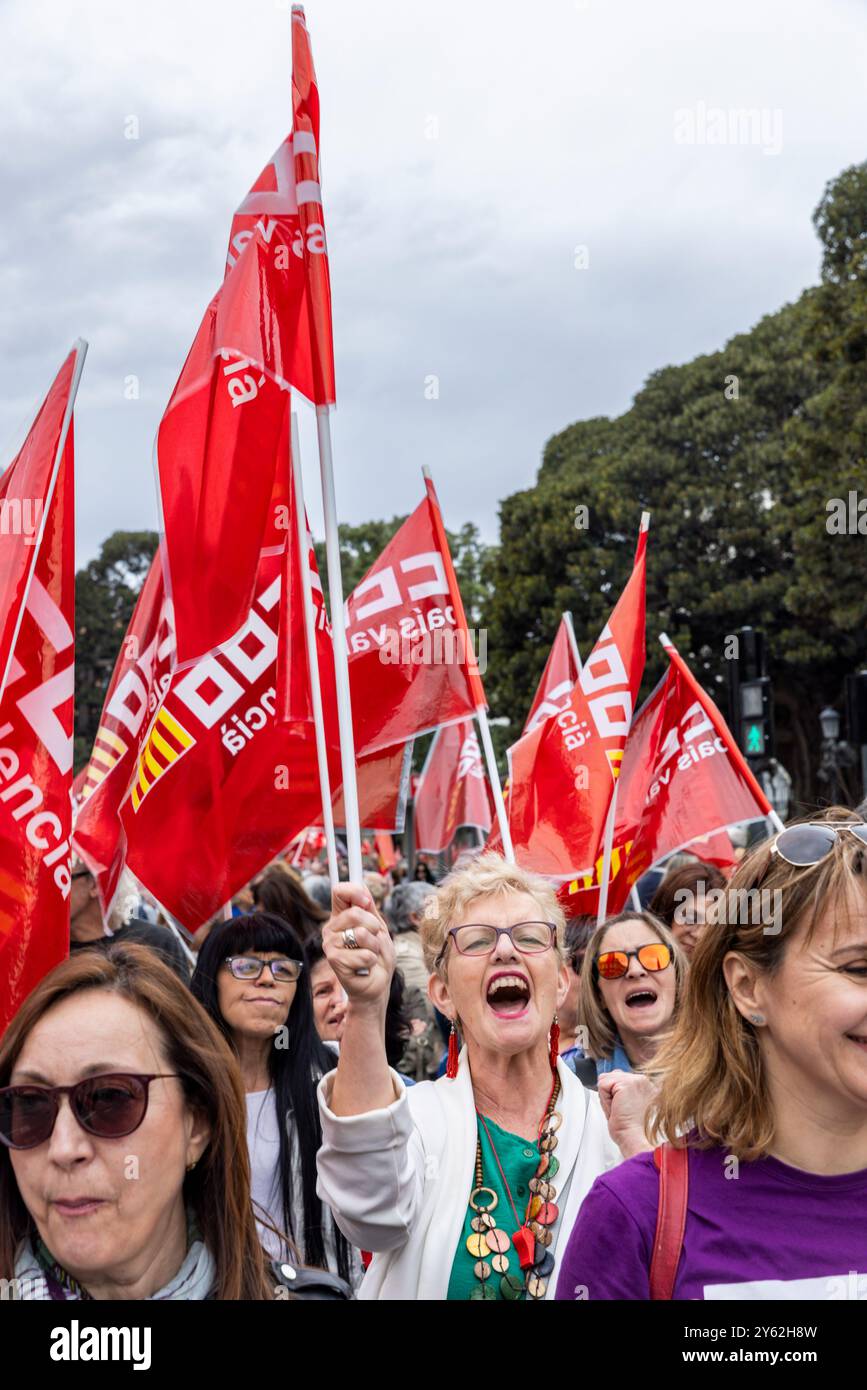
519,1159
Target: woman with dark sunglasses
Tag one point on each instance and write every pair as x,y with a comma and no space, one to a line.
764,1095
632,978
123,1166
250,978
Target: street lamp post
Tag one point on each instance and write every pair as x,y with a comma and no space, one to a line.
836,753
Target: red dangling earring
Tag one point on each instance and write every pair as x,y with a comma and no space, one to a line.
555,1043
452,1063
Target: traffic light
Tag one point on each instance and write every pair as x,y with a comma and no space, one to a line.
751,705
756,718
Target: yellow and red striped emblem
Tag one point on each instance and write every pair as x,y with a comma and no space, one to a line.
167,742
108,749
615,758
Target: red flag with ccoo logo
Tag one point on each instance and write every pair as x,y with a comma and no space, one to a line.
453,790
562,774
36,709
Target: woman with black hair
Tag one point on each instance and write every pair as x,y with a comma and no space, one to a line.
250,978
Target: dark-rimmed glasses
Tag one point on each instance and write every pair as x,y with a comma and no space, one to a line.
613,965
479,939
109,1106
251,967
802,846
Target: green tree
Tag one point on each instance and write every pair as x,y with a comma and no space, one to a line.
105,594
735,454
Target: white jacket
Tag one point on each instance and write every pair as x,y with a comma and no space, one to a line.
398,1180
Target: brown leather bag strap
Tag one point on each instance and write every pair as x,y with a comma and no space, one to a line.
673,1165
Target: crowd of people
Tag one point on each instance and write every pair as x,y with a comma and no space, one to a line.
424,1087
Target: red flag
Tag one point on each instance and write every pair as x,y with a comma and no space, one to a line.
562,774
220,788
141,676
560,674
36,717
683,777
284,206
225,438
226,429
305,121
308,845
412,664
26,489
382,780
294,699
716,849
217,450
386,851
453,790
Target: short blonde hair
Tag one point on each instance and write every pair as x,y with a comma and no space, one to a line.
487,874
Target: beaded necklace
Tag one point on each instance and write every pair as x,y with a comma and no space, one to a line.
490,1245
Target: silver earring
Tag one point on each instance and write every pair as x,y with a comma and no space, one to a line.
757,1018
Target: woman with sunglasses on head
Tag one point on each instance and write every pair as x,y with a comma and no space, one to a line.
632,977
250,978
123,1163
465,1187
764,1093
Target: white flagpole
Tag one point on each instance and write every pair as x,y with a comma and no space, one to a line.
494,777
612,809
80,347
313,656
341,654
567,618
606,857
636,901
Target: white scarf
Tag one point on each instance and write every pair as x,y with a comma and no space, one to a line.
194,1280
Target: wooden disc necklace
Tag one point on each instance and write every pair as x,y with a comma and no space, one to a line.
490,1246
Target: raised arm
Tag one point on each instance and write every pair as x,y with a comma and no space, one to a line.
362,1081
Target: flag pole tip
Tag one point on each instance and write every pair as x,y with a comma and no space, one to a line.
645,521
665,639
425,472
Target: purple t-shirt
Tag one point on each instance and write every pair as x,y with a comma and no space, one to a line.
753,1230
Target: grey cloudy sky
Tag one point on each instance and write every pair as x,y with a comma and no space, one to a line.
467,150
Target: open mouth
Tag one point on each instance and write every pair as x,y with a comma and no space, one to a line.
641,999
859,1039
508,995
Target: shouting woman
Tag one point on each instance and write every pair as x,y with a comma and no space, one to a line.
465,1187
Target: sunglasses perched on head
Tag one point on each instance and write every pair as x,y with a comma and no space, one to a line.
612,965
109,1106
808,844
251,967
